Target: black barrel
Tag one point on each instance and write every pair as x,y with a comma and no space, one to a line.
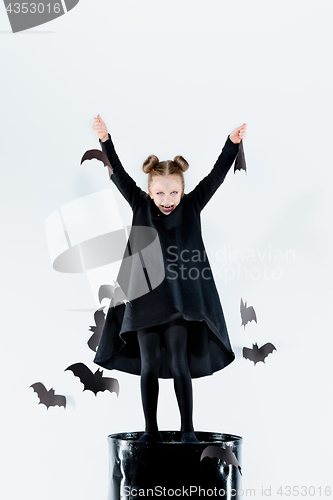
210,468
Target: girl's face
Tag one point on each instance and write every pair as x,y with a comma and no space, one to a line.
166,191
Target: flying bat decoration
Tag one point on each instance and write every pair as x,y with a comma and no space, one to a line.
113,292
240,163
257,354
94,382
224,454
99,318
48,398
97,154
247,313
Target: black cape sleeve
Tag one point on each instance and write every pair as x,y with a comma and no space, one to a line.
124,182
203,192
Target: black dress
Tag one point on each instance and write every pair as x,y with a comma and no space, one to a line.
165,274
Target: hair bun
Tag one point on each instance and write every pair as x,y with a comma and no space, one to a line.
181,163
150,163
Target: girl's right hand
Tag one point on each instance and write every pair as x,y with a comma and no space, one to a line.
100,129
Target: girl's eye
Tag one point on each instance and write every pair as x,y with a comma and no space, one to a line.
161,192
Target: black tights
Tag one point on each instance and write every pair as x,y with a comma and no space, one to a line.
175,335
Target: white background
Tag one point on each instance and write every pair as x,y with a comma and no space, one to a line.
171,77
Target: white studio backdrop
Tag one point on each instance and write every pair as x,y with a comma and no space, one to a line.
171,78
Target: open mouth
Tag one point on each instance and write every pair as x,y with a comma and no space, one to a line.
168,208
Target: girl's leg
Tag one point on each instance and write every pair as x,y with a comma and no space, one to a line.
176,342
149,342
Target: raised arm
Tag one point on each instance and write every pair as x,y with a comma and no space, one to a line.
203,192
124,182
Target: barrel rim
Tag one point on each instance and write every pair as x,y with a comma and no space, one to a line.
205,437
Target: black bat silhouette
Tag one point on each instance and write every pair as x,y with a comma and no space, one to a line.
113,292
257,354
97,154
247,313
224,454
48,398
99,318
94,382
240,163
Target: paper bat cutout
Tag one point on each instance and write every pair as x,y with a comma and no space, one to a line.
240,163
257,354
48,398
247,314
97,154
224,454
99,318
94,382
113,292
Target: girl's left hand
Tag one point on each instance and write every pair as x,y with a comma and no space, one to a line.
238,134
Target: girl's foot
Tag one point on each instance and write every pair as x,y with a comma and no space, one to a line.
189,437
151,438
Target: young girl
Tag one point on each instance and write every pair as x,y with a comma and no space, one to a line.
177,328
